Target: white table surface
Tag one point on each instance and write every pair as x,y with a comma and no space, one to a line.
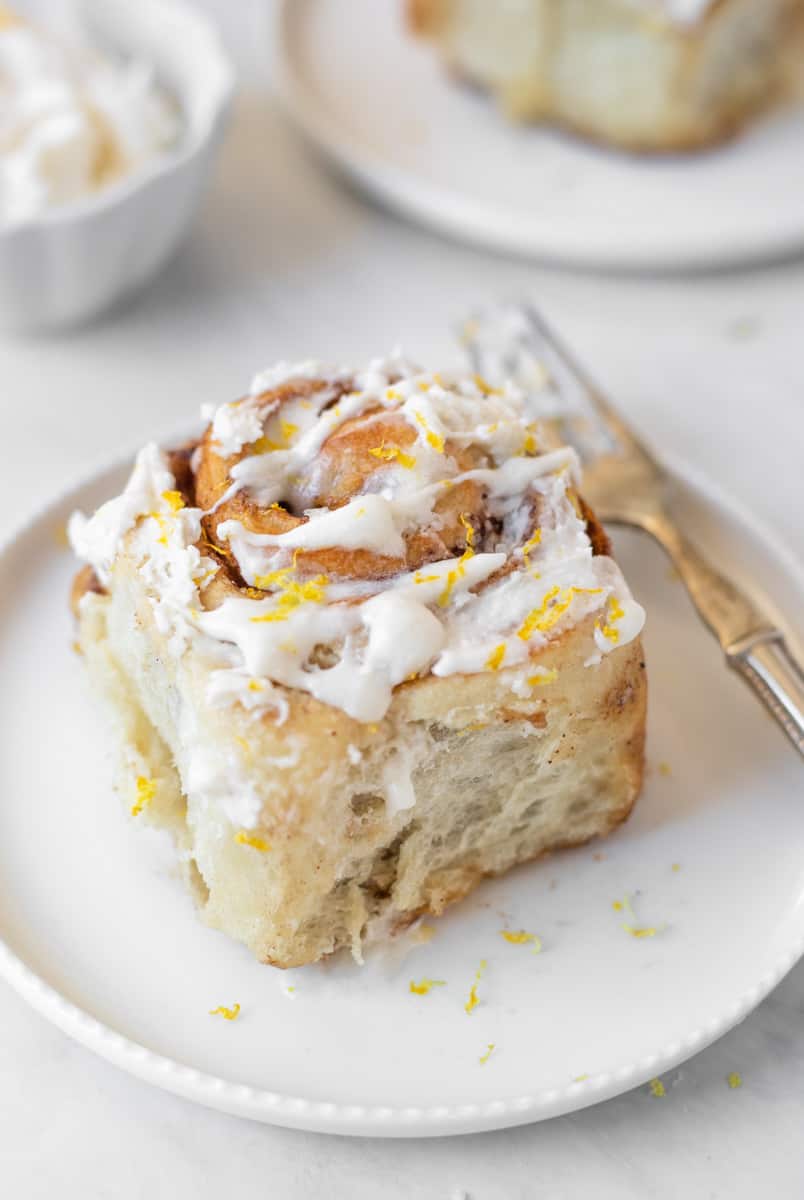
285,262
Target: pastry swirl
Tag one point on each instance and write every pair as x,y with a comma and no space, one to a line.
355,531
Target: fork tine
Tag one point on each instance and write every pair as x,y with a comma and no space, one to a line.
555,349
514,342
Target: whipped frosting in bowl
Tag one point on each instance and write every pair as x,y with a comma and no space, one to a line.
72,120
111,116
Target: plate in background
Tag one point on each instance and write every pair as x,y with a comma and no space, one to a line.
379,104
97,933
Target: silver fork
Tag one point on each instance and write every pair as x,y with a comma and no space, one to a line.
626,486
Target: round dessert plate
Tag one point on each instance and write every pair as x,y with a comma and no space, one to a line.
380,104
100,937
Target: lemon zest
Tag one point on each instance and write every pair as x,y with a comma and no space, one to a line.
469,529
549,676
460,570
162,523
494,660
419,578
146,790
243,838
256,685
676,867
521,937
224,553
657,1088
580,1078
472,1002
264,445
616,613
576,504
664,769
486,387
548,613
734,1079
431,437
484,1058
530,545
393,454
636,931
174,500
292,593
425,985
228,1014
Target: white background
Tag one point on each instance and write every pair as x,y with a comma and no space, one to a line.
283,263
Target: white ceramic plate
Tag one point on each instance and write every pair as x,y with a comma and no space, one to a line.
99,936
380,105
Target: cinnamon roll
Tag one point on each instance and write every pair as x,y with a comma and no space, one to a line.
642,75
366,645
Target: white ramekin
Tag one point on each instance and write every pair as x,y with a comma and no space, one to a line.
71,263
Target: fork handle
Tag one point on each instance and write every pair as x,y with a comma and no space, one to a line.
767,665
754,647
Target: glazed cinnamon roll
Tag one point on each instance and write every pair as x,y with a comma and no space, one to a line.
367,645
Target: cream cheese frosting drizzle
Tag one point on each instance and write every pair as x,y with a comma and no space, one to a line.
527,572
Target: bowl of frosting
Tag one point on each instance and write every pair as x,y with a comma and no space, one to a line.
111,114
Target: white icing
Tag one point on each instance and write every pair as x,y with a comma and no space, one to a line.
449,617
97,541
234,425
363,524
71,121
218,780
234,685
